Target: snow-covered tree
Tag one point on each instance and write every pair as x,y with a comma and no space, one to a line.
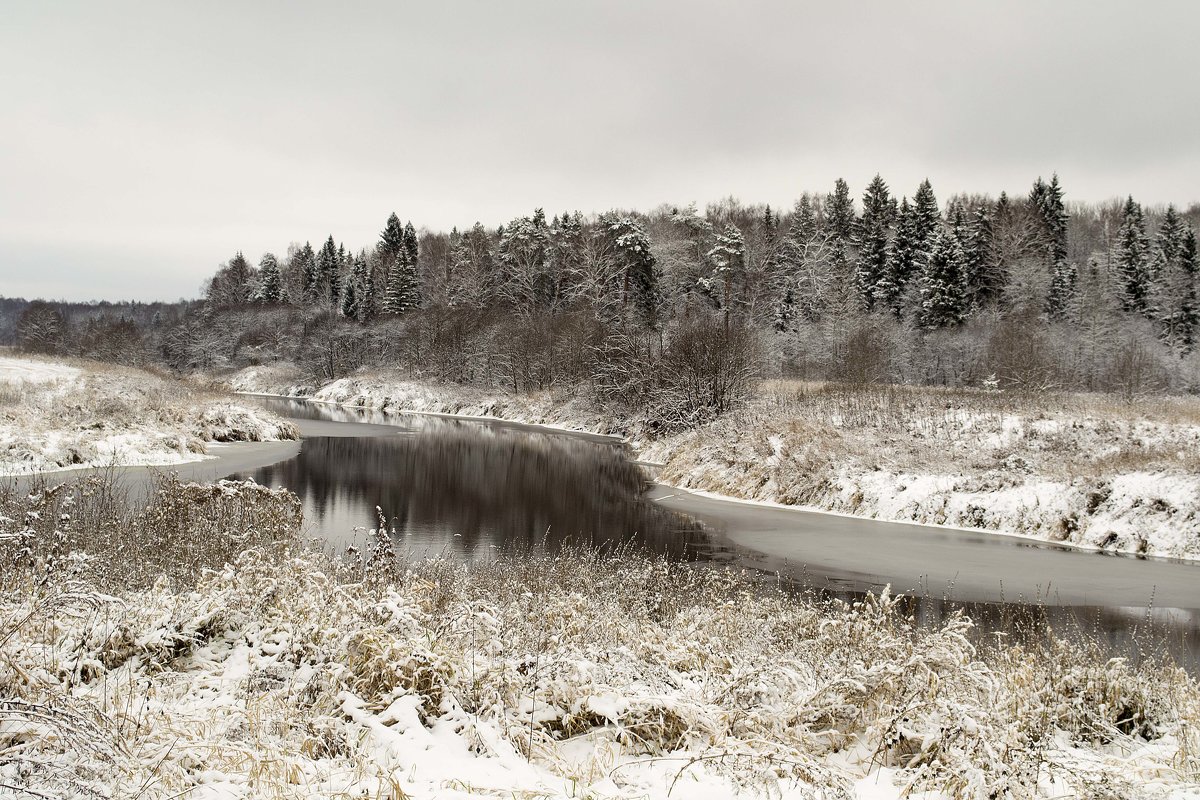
1173,274
1132,258
728,257
873,235
270,285
943,296
641,289
524,251
839,212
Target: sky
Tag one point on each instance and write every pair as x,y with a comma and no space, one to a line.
142,144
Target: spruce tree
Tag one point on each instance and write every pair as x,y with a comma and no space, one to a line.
943,296
1174,281
305,263
391,239
889,291
1061,296
839,212
874,240
328,288
364,287
350,299
983,279
270,286
1132,258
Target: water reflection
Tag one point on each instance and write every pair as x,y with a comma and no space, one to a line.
472,490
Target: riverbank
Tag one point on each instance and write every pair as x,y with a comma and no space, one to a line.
1085,470
231,662
57,415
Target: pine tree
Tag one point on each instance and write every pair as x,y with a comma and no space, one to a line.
270,288
1132,259
874,240
728,276
943,299
641,280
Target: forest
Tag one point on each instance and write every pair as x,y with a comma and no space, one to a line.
674,312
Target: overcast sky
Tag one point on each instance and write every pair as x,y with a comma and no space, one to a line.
142,144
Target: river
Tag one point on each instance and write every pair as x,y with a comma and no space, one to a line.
472,489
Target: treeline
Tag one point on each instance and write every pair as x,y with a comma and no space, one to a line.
1023,291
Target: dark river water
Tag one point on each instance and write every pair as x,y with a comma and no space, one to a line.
474,490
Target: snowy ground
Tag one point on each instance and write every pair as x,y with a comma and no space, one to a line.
279,674
57,416
1083,469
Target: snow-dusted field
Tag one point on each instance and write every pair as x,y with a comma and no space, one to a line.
57,416
1088,470
229,662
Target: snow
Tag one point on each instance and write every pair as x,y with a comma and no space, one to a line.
54,417
21,371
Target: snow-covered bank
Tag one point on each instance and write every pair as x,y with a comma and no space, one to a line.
55,416
1079,469
391,392
278,673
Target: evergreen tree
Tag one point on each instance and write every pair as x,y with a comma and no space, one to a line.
839,212
943,296
1046,200
728,276
411,246
1132,259
889,290
364,287
270,286
1174,278
1063,282
915,233
641,280
524,257
391,240
350,307
305,263
328,283
874,240
984,281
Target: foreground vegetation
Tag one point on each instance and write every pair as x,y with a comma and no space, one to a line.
190,645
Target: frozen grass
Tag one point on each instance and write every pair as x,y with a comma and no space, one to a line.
256,668
54,416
